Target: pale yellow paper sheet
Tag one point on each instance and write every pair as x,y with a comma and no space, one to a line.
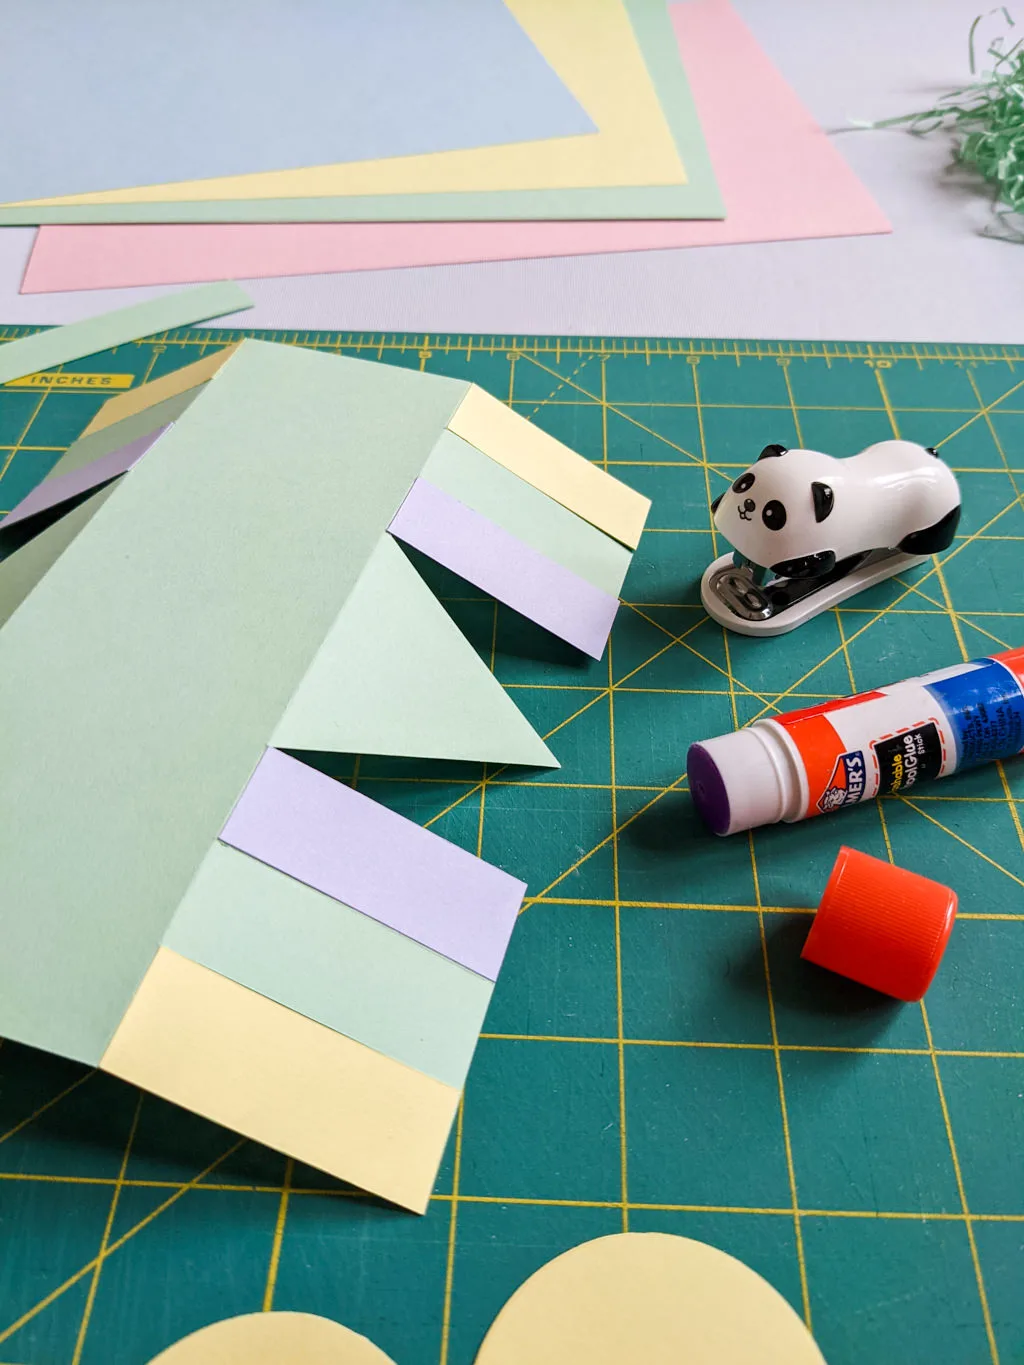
235,1057
650,1297
273,1339
167,386
590,43
547,464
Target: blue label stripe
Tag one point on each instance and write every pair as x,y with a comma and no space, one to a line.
985,709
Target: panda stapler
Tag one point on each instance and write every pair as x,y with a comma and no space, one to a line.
809,531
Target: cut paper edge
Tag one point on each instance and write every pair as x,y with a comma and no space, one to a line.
273,1339
53,492
232,1056
651,1297
486,555
550,466
125,405
466,473
396,676
58,345
340,842
343,969
28,565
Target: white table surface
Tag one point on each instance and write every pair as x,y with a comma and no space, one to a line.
936,278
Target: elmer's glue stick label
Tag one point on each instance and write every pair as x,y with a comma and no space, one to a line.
883,742
880,743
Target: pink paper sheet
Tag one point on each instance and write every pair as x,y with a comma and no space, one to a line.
781,178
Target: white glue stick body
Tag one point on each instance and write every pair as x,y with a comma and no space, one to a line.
811,762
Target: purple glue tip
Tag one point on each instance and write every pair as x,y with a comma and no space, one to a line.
708,789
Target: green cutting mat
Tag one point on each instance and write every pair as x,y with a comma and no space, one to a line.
656,1056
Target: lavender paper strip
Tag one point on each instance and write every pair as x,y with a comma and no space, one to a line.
52,492
335,839
498,563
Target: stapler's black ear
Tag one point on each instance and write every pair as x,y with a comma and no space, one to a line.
772,452
824,500
717,503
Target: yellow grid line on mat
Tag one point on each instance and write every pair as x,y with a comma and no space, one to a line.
692,352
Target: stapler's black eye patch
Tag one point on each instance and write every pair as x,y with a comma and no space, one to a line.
824,500
773,514
744,483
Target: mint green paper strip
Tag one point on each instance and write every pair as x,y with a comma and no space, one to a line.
397,676
698,198
184,614
336,966
465,473
58,345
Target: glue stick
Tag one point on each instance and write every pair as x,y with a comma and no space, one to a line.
821,759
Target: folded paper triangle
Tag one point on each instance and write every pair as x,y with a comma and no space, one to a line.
395,675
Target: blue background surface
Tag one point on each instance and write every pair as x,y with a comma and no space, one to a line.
112,94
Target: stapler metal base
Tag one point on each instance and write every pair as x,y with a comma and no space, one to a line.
734,597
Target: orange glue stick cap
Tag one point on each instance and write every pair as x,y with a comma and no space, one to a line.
881,925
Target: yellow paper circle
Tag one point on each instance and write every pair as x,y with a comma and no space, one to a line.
647,1298
273,1339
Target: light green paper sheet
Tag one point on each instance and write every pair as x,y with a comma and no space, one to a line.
212,582
698,198
58,345
396,676
22,570
465,473
316,956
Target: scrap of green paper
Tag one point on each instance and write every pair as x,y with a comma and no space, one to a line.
58,345
465,473
212,583
987,120
698,198
341,968
395,675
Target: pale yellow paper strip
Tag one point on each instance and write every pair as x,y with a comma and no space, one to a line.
167,386
647,1297
590,43
235,1057
537,458
273,1339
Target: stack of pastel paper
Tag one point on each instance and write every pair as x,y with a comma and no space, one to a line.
392,134
186,904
